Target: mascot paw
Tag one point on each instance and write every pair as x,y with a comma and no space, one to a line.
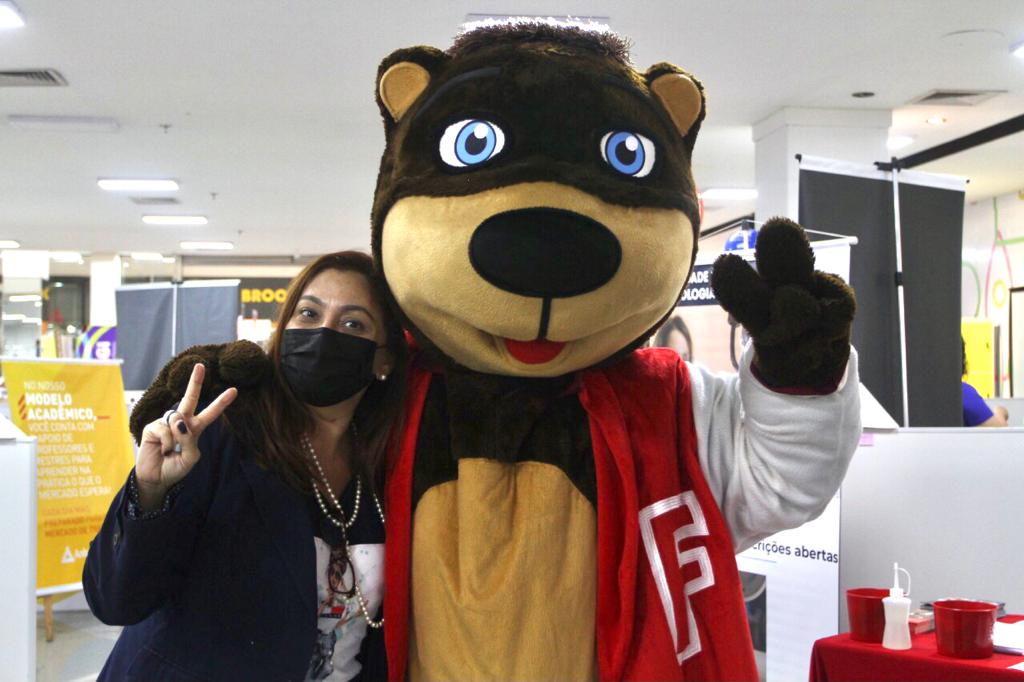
799,318
241,364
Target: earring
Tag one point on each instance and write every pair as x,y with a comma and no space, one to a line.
382,377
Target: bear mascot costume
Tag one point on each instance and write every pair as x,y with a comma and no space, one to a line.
563,503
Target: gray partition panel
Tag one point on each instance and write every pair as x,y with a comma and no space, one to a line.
207,313
145,324
946,504
157,321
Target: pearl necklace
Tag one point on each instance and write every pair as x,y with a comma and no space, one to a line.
343,525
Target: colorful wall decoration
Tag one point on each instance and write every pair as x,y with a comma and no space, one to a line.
993,251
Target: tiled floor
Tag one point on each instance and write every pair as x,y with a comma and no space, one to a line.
80,646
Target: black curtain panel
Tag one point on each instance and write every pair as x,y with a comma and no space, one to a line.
860,203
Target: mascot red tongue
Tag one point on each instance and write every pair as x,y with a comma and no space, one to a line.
564,504
534,352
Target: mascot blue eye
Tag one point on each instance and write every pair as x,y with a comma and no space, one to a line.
629,153
471,142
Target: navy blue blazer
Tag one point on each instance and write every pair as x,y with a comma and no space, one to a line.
222,586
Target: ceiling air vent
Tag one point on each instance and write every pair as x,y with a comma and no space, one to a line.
956,98
154,201
32,78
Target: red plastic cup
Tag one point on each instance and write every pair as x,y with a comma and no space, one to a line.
866,613
963,627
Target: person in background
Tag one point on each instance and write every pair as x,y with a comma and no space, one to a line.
252,548
674,334
976,411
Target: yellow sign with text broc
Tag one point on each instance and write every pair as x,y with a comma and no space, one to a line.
77,412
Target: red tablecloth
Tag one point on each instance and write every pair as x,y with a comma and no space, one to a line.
840,659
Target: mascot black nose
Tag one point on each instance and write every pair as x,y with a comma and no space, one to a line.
544,252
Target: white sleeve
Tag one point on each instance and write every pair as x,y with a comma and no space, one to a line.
773,461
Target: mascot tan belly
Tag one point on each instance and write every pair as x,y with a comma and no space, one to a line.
564,505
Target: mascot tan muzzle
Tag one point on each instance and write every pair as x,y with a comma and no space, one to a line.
535,215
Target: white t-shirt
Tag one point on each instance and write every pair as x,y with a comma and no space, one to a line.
341,625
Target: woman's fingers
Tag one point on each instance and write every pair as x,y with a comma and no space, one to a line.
155,445
213,411
159,433
178,428
195,386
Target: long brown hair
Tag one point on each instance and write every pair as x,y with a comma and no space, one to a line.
282,419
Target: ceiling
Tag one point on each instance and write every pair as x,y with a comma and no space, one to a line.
264,110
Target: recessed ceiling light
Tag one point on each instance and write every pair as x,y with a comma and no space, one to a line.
116,185
13,317
898,142
207,246
9,244
25,298
9,15
66,257
174,219
169,260
32,320
936,120
64,124
728,194
1018,50
147,256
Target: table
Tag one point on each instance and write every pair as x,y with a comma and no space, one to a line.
840,659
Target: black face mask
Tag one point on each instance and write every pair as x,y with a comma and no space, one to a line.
323,366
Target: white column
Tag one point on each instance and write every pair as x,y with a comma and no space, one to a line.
104,278
23,273
857,135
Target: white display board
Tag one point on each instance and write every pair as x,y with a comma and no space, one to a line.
17,554
945,503
800,570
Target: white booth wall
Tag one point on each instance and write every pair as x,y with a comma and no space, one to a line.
946,503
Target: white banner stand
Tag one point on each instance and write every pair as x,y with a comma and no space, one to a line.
18,554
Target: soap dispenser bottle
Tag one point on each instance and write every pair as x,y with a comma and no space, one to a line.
897,613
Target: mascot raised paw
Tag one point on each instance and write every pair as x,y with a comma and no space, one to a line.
241,364
563,504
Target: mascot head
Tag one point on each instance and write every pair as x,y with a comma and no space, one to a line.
535,212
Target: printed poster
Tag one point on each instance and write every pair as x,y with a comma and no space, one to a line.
76,411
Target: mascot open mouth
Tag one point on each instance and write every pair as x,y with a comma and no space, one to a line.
535,352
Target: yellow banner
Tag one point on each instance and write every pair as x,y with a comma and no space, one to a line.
77,412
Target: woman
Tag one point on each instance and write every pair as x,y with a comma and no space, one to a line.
231,551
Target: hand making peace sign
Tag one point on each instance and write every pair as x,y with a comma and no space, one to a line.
169,447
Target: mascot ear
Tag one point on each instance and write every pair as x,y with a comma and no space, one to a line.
403,76
681,95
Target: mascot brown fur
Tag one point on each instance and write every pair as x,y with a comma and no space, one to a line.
562,505
535,216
